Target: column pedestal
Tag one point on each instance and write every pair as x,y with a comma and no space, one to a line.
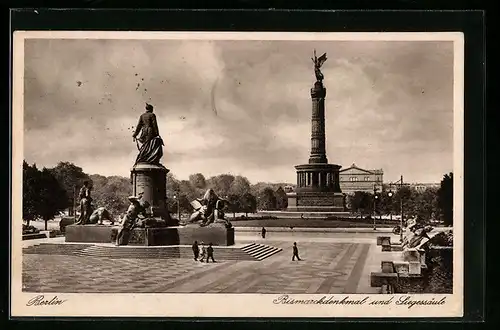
151,181
321,193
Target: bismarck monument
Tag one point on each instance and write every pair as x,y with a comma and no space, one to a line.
148,176
147,220
318,187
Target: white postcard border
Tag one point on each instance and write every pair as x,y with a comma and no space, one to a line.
232,305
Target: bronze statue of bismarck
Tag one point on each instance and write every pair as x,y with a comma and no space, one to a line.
151,149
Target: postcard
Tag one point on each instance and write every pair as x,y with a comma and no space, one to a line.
237,174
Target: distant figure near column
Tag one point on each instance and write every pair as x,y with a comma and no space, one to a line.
85,204
295,252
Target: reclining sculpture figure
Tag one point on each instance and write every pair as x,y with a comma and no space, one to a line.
416,235
99,215
209,209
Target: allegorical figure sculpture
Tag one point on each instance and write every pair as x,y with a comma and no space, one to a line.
209,209
318,62
151,149
85,203
134,211
416,234
99,215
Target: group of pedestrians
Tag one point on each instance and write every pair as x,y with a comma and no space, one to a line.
200,252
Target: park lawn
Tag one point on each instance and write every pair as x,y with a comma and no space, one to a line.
303,223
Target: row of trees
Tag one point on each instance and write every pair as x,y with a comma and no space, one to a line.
49,191
44,193
242,196
432,203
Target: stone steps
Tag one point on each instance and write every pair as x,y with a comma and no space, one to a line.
261,251
168,252
55,249
251,252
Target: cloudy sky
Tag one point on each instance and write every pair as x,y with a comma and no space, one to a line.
240,107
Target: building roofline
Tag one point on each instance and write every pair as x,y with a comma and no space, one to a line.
353,166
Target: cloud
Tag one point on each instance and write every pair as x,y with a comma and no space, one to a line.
238,106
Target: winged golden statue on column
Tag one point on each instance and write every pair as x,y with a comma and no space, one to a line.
318,62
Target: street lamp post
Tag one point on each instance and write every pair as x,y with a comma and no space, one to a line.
400,183
401,209
178,208
390,194
74,201
375,198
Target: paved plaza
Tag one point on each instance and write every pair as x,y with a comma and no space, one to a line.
331,263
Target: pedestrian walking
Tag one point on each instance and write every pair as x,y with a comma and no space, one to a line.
203,252
263,232
196,250
295,252
210,253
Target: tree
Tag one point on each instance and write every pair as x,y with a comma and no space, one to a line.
111,192
281,199
257,188
426,204
188,191
386,204
248,203
98,181
197,180
234,204
240,186
185,204
43,196
445,199
31,184
70,177
52,197
361,202
221,184
266,199
172,204
405,196
172,185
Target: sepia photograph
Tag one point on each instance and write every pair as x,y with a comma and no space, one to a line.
304,174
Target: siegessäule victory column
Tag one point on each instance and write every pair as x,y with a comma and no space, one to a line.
318,187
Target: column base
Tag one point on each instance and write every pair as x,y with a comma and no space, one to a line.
317,202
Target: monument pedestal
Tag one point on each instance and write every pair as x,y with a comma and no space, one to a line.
90,233
150,180
318,189
216,234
